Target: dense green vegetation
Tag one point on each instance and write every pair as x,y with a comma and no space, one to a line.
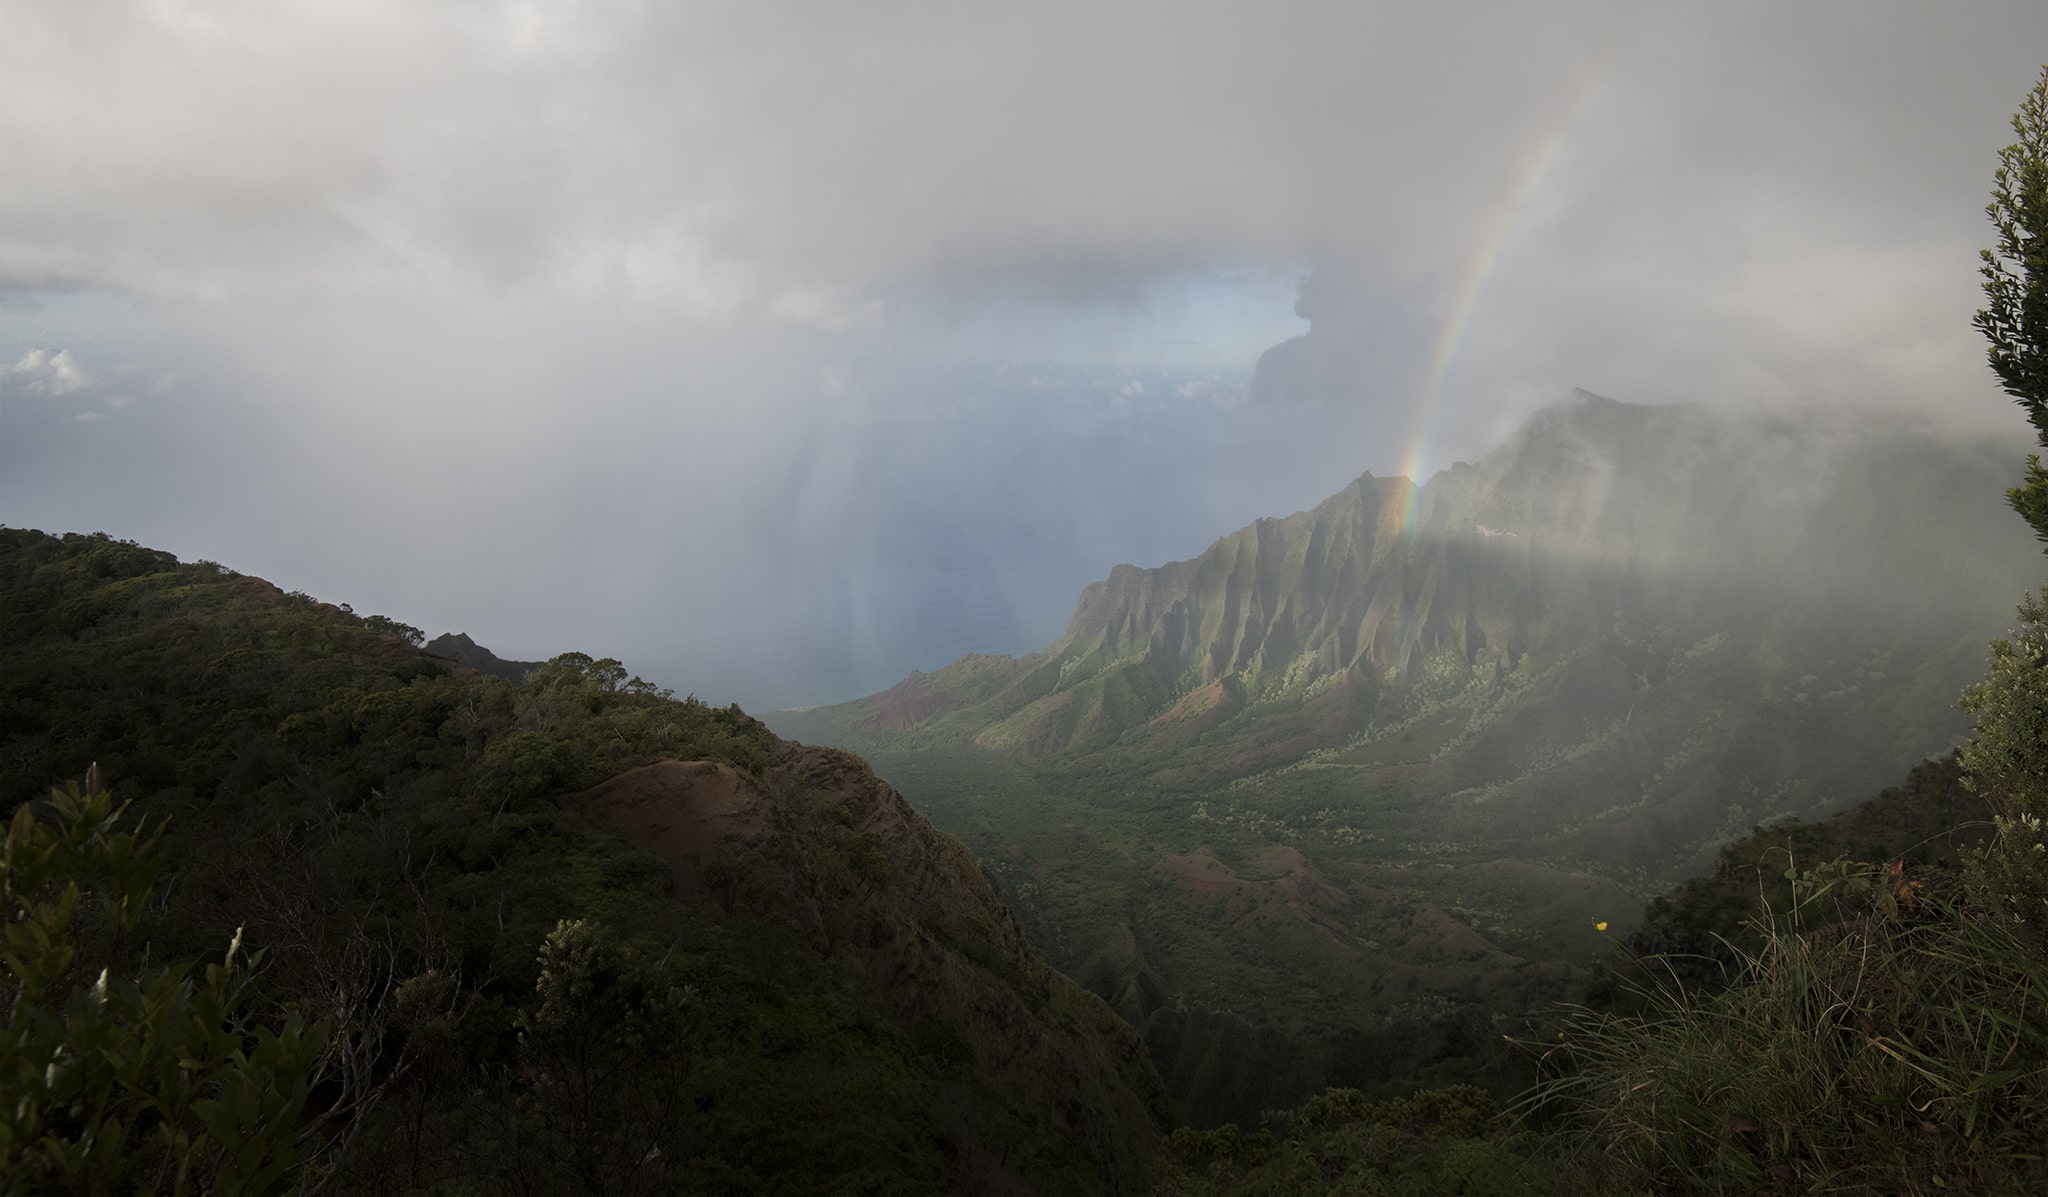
2014,320
510,995
1800,1020
1923,831
154,1083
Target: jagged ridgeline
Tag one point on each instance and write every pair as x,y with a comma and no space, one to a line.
1354,784
459,648
575,935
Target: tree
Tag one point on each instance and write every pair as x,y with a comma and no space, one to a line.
2007,758
2015,274
384,625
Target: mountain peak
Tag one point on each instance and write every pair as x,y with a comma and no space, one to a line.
458,647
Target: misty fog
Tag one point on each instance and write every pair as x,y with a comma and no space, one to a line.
781,356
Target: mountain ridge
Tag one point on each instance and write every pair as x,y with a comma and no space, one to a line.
458,647
1594,507
1562,675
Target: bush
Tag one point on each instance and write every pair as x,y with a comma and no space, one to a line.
2007,762
156,1082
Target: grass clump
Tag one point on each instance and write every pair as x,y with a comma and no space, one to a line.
1902,1051
1887,1034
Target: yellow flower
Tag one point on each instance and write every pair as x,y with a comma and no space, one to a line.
1600,926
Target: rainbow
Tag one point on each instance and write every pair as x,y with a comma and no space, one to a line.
1506,219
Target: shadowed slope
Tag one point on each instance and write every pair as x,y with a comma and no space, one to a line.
1039,1083
580,936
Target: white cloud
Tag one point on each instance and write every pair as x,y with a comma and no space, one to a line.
45,372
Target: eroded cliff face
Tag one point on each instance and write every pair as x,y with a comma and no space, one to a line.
1044,1087
1596,516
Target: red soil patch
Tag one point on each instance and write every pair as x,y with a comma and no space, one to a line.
683,810
1199,701
1281,859
254,587
1201,873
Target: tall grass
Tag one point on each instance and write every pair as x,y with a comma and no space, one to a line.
1903,1051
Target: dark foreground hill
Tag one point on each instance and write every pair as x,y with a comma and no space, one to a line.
574,935
1340,799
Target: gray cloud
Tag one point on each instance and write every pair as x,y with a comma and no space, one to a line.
669,297
1712,166
744,152
1366,343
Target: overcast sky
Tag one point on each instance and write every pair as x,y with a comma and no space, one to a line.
779,349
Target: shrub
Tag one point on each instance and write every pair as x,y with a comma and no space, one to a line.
1887,1054
159,1081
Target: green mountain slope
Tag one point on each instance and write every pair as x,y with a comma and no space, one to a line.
1367,774
577,935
